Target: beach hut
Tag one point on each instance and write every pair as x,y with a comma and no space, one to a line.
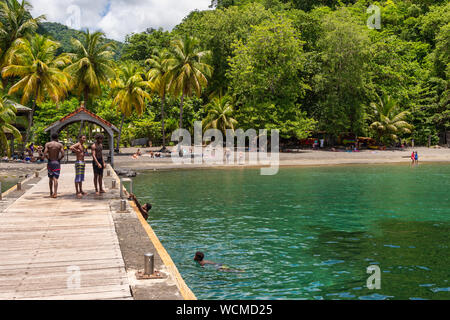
22,114
83,115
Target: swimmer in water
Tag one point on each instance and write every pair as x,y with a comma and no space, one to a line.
199,257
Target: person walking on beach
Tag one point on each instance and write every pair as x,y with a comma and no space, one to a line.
416,158
80,165
413,158
98,163
54,152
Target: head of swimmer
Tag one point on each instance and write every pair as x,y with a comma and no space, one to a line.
147,207
199,256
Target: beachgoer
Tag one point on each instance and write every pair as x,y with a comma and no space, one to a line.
98,163
413,158
137,154
199,258
80,165
416,158
143,209
54,152
322,141
41,156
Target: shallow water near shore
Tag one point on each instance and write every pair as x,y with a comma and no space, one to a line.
306,233
7,183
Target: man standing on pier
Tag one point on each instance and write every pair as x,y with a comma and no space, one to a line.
98,163
80,165
54,152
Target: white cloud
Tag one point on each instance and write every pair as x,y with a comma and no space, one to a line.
117,18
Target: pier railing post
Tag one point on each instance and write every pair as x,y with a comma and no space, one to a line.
1,190
19,186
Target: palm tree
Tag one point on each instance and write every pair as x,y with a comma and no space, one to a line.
34,62
7,119
129,88
92,64
158,81
219,116
187,69
389,122
17,23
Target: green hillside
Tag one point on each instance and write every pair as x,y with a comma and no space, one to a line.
63,34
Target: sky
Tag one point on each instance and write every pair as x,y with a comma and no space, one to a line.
117,18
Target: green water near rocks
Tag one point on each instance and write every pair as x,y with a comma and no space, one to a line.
306,233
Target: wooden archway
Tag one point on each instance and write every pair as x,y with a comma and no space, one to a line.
84,115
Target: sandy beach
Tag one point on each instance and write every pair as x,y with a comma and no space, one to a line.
17,171
301,158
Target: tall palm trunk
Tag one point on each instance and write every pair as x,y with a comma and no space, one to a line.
86,96
162,122
30,121
120,132
181,111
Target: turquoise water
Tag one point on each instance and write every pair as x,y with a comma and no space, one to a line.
6,184
306,233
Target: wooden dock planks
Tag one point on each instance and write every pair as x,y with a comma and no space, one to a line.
45,243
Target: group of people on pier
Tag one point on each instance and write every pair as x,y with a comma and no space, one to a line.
54,153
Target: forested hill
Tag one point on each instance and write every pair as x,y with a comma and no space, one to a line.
63,34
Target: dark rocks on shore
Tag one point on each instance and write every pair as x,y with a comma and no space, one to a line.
126,173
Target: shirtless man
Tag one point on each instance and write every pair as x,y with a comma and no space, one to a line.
143,209
98,163
80,165
54,152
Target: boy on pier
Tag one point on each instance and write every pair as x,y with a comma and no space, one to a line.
80,165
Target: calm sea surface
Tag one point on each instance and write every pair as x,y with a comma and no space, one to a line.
306,233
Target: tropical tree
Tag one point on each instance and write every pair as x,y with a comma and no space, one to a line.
389,122
158,81
34,63
188,70
219,116
17,22
92,64
7,119
129,89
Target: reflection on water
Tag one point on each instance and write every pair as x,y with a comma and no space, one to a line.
306,233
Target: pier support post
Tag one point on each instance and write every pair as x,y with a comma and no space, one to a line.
19,186
1,190
123,205
149,264
36,174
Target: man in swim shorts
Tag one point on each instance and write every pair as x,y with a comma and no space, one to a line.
54,152
80,165
98,163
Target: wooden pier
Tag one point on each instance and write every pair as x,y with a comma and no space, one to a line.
62,248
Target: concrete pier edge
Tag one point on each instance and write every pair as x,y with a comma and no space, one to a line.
185,291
